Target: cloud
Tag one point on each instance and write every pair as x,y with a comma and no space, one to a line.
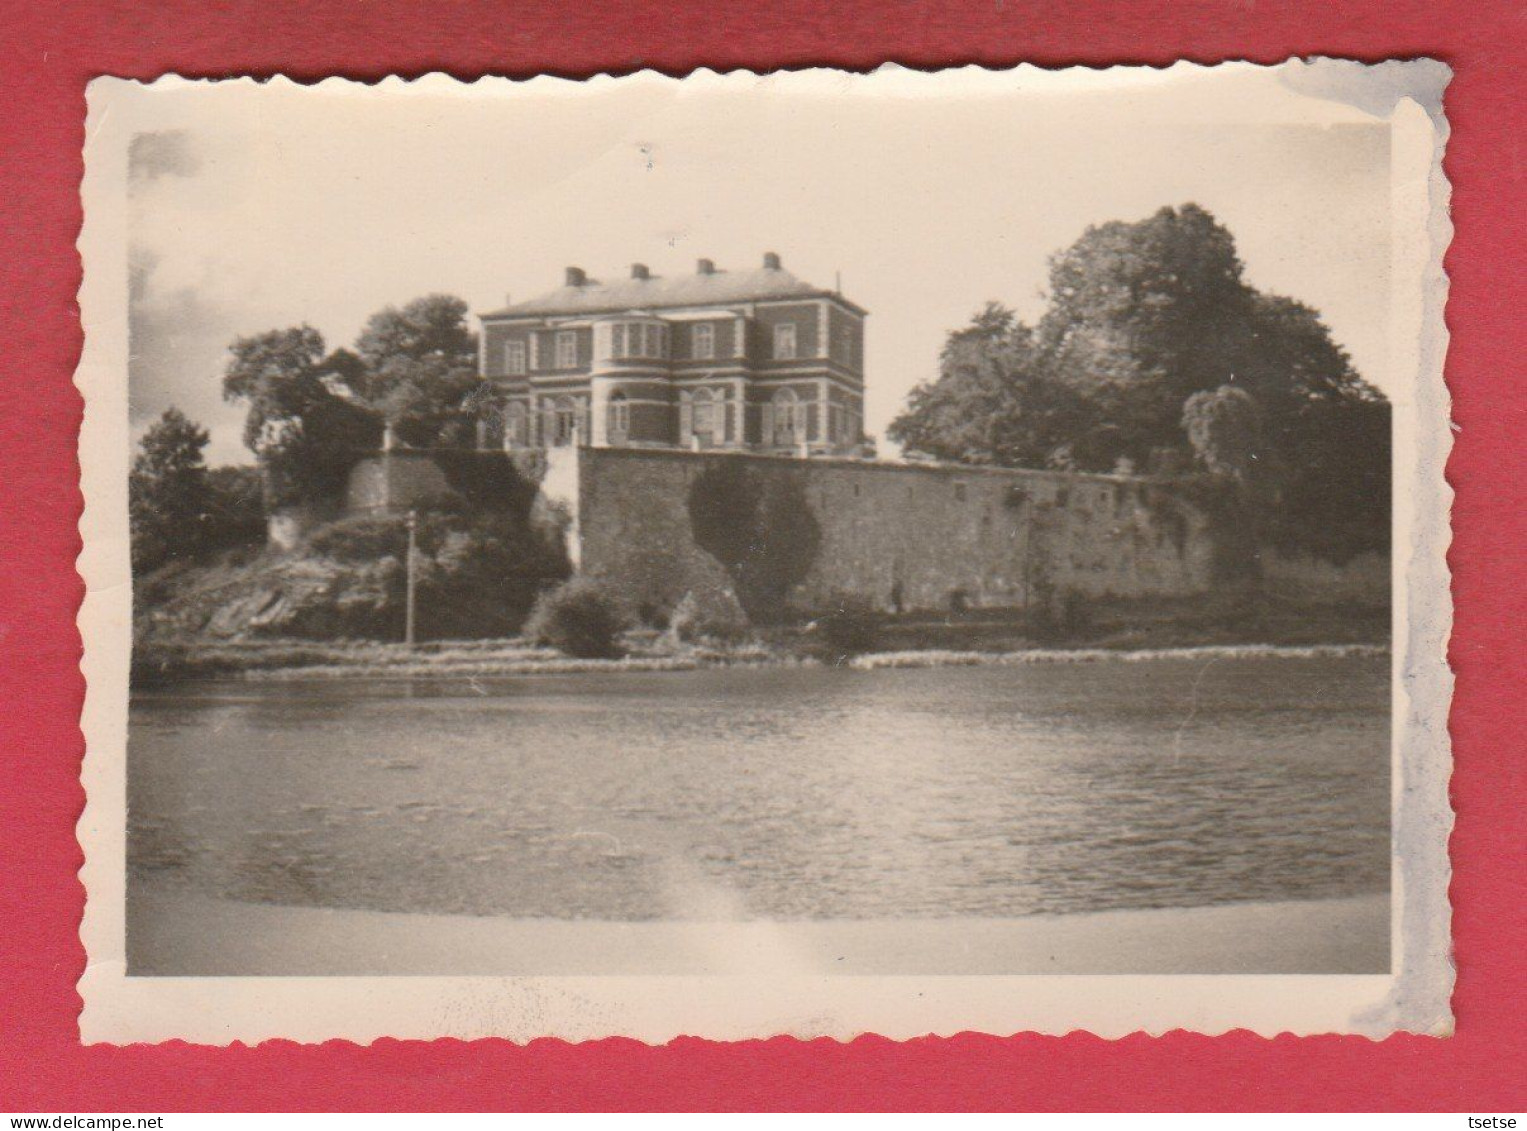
268,206
177,331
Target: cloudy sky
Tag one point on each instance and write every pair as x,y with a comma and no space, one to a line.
253,207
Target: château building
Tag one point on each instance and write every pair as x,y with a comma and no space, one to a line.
753,360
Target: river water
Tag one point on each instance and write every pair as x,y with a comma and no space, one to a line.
774,793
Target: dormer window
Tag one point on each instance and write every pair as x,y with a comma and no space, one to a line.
784,342
567,349
703,342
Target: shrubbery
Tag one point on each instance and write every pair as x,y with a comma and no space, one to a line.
477,575
708,614
582,617
361,538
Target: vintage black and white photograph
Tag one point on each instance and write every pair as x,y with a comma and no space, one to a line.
616,551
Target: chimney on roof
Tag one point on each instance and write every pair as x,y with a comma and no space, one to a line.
576,277
639,271
705,267
771,261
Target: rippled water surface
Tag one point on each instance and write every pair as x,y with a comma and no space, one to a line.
788,793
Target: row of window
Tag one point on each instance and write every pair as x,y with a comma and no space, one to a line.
561,423
624,341
631,340
704,414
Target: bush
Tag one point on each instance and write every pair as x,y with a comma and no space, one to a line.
478,576
581,617
236,518
362,538
709,614
851,628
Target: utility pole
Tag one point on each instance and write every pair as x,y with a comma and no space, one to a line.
408,609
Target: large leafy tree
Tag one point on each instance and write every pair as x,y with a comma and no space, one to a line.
301,424
993,402
415,366
179,510
1142,318
169,495
311,413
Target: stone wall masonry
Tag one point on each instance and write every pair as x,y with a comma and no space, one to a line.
921,537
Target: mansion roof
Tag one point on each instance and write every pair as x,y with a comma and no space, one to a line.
708,286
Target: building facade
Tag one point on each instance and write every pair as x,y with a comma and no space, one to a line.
755,361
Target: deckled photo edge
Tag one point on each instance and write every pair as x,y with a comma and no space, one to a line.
120,1009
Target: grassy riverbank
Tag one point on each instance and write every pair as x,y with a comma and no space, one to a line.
1250,628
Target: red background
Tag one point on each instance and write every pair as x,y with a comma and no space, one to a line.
50,51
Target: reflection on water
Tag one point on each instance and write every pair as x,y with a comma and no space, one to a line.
782,793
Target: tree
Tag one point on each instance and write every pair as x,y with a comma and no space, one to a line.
179,510
993,401
304,430
414,367
1225,428
1335,502
237,515
1141,318
168,492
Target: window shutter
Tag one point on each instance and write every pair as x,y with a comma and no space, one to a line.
766,431
686,419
